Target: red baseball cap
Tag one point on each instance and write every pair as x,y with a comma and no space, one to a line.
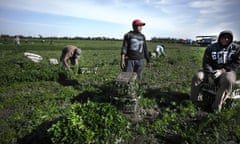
138,22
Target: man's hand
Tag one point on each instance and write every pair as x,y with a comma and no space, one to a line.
149,65
70,70
217,73
122,64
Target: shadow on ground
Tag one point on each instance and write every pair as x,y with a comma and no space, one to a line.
63,80
39,135
168,97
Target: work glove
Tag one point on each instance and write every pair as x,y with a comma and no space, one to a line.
217,73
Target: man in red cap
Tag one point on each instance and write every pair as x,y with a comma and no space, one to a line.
134,50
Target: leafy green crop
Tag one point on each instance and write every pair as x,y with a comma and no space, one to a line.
40,101
20,69
90,123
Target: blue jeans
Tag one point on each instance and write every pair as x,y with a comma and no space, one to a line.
135,66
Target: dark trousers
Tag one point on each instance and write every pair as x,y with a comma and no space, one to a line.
135,66
225,83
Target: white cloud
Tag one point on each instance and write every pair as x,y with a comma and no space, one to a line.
165,17
118,13
211,6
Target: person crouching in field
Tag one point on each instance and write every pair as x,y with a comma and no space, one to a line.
159,50
134,50
72,53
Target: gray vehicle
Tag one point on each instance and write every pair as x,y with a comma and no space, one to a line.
208,93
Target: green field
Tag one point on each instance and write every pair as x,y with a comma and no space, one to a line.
40,103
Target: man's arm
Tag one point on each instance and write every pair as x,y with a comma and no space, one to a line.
146,53
65,60
124,50
206,64
76,61
235,64
123,61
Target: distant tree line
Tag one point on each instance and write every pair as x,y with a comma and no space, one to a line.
5,38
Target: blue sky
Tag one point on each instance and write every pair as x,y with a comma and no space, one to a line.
112,18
